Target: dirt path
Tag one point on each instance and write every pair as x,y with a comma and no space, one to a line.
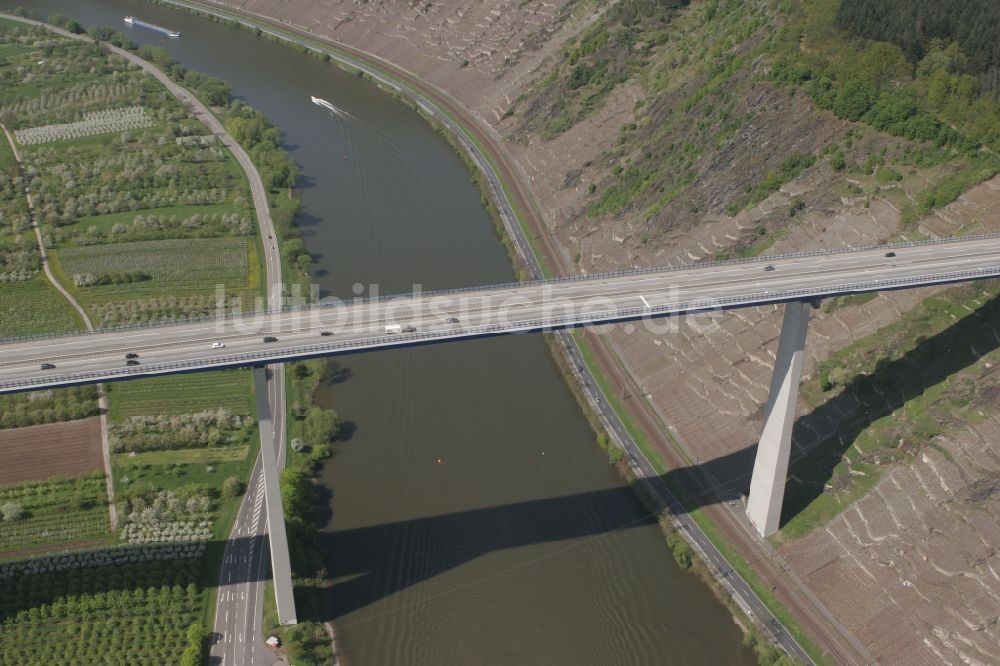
38,235
102,397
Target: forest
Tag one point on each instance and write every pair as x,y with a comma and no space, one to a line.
914,25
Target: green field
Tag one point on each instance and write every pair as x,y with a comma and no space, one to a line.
106,222
204,467
34,306
57,511
106,314
173,265
18,410
208,456
199,473
88,193
183,394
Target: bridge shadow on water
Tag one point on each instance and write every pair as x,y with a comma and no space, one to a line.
366,563
373,562
370,563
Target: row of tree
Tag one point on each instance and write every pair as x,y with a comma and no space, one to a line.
65,404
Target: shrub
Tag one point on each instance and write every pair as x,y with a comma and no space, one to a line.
233,487
678,546
193,654
12,511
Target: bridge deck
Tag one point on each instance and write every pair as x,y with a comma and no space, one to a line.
361,325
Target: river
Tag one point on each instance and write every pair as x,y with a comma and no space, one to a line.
474,519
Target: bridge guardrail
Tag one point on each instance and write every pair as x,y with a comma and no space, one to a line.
496,287
549,323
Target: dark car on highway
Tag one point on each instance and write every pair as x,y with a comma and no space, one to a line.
131,361
131,355
270,338
890,254
48,366
325,333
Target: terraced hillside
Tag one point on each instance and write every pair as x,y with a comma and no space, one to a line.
748,129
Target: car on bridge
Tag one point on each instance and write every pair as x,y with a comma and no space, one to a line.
131,361
326,333
270,338
131,355
48,366
451,320
218,345
890,254
769,267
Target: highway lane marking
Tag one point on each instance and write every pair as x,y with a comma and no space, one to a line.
644,301
181,345
675,275
289,320
276,325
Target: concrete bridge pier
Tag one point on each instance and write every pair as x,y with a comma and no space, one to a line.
281,567
770,468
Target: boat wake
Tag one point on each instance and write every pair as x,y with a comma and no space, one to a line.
340,113
131,20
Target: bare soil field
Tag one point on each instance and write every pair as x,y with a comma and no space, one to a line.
56,449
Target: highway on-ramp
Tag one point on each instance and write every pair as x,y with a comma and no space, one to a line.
237,637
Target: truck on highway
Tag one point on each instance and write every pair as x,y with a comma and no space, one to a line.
393,328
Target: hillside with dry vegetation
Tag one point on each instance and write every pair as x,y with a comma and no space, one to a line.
671,133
